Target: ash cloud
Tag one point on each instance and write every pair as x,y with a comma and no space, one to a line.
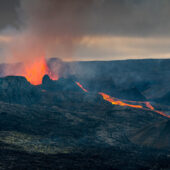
49,28
55,28
102,17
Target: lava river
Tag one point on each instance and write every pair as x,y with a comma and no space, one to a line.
134,104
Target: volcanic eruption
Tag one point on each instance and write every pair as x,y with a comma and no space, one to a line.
70,95
34,72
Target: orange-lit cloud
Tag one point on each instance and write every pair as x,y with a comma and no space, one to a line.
5,39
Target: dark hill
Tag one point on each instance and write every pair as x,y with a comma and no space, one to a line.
85,135
128,94
15,89
62,84
164,99
156,135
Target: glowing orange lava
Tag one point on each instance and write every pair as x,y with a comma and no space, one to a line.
141,105
117,102
81,87
35,71
149,106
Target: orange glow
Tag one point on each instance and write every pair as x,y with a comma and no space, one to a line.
163,114
117,102
34,72
52,76
149,106
141,105
81,87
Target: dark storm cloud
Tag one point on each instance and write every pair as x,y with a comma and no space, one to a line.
123,17
131,17
59,27
48,27
8,14
120,17
58,16
127,17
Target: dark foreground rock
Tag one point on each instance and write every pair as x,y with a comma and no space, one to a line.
80,136
57,125
87,158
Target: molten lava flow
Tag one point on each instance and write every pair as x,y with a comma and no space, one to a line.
81,87
117,102
141,105
34,72
120,103
148,105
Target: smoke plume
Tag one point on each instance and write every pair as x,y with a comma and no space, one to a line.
49,28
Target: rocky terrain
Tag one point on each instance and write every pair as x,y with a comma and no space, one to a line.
56,125
84,135
154,135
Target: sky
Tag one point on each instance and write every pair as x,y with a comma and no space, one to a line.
84,29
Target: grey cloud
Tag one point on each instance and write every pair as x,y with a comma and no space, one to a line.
56,27
8,13
79,17
131,17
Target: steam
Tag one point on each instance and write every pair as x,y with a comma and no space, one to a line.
49,28
111,29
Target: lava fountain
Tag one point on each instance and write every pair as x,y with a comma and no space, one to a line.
35,71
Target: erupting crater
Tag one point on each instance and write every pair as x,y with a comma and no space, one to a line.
35,71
